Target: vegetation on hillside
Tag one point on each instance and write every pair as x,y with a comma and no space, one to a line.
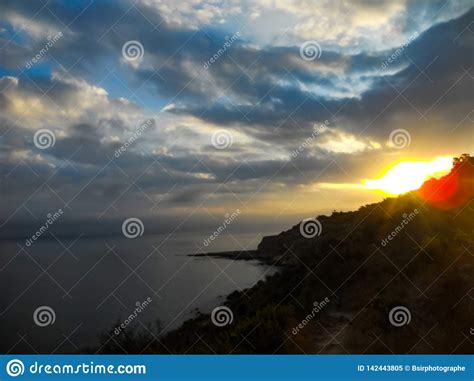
426,267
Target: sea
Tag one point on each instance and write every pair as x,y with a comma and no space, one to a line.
59,295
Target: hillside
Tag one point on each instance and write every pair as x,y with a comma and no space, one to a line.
413,254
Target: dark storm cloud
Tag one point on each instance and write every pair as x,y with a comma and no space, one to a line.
268,93
435,61
259,89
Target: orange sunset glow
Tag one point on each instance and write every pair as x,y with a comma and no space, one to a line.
409,175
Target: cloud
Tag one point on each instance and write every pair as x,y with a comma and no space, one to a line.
259,90
341,142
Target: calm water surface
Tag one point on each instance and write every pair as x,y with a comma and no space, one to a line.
94,283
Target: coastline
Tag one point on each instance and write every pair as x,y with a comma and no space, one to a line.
243,255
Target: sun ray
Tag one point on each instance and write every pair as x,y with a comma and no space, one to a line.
410,175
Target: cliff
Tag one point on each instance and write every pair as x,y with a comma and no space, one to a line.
395,276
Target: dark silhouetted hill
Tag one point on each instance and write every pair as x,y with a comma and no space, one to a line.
335,292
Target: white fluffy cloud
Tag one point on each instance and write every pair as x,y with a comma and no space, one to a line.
352,25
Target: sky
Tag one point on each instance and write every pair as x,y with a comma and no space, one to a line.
181,113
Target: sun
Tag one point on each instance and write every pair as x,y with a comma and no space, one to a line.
410,175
